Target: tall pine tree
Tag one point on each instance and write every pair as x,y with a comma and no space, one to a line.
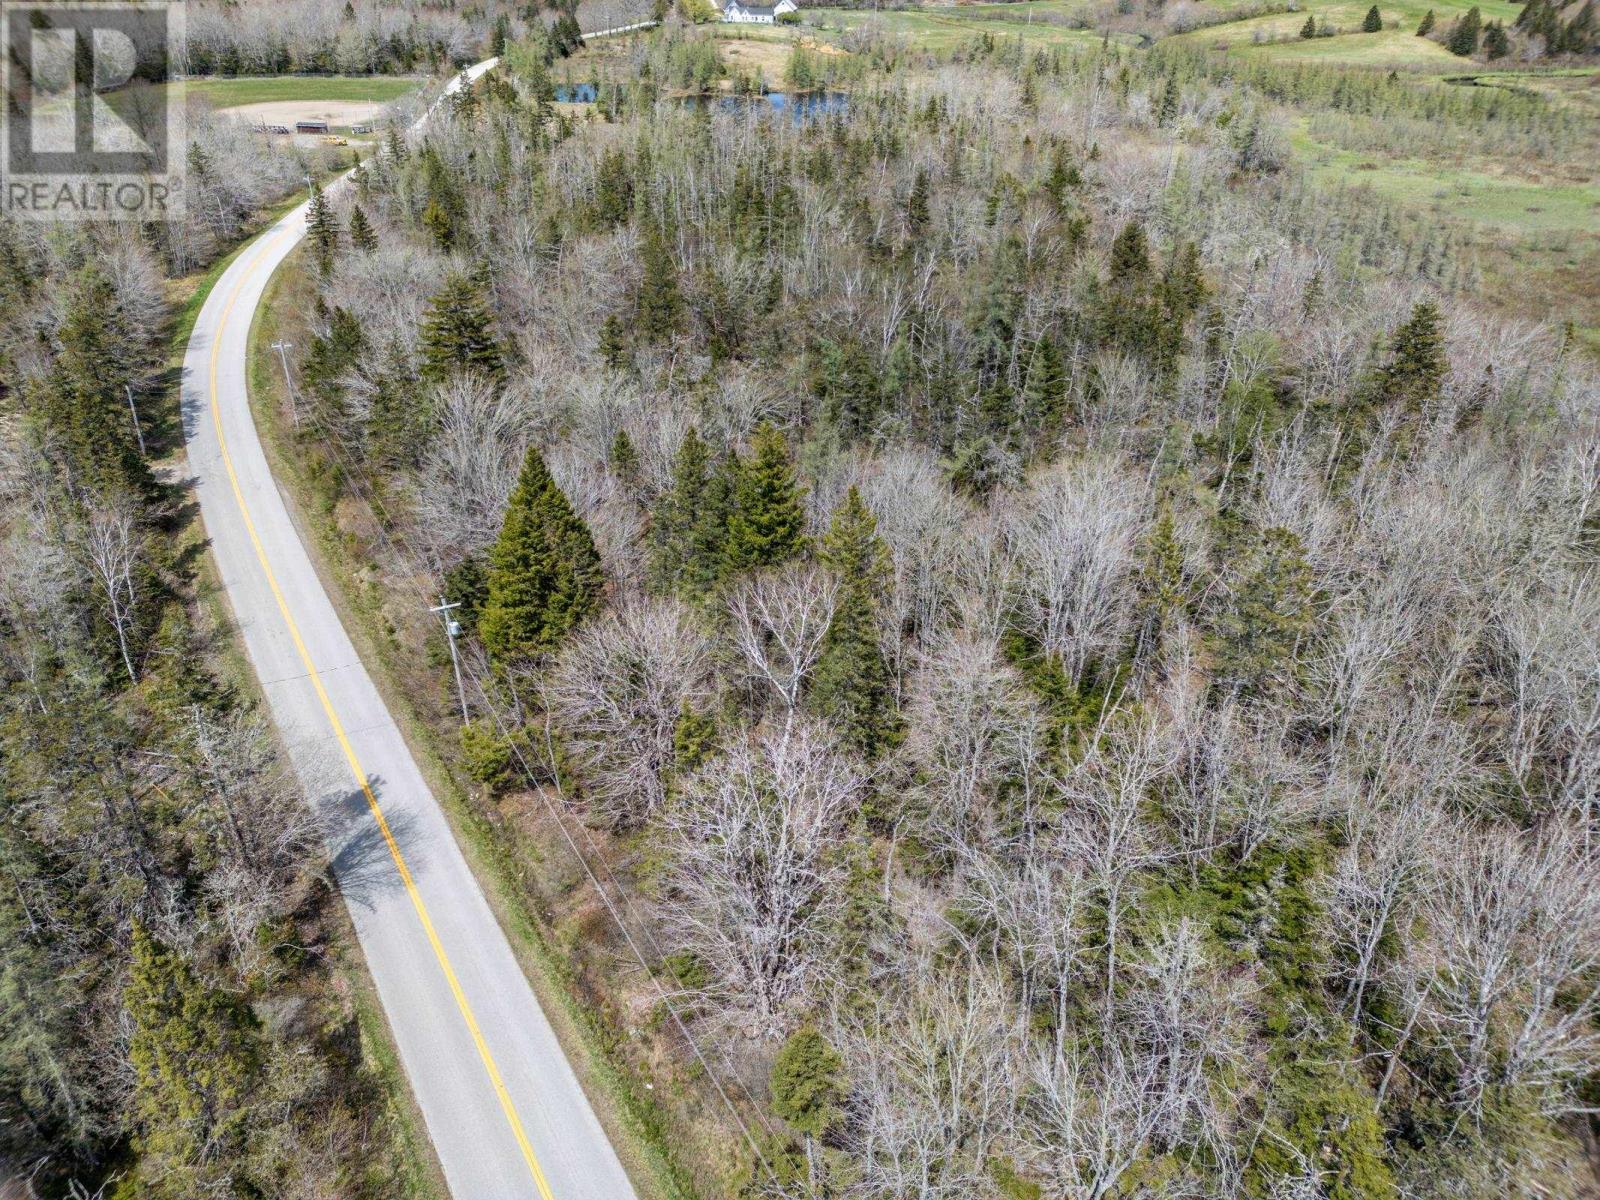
82,401
362,235
852,684
544,570
322,228
1417,366
768,523
458,333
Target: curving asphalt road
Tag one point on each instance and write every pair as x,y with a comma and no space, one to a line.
505,1112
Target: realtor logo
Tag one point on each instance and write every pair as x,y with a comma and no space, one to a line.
93,123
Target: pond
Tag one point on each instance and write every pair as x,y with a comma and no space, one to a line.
799,105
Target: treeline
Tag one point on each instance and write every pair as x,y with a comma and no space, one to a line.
168,1021
1500,119
308,37
1086,674
1558,32
374,37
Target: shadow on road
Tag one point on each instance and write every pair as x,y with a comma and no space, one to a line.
362,862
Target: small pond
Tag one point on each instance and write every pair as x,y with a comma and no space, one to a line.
799,105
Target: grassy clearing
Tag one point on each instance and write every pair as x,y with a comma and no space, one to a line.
1277,36
764,55
1480,191
376,89
1393,49
947,28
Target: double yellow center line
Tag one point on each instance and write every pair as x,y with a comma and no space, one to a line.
495,1079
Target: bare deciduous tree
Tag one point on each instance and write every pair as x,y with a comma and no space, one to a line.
779,620
617,694
112,547
1074,537
752,881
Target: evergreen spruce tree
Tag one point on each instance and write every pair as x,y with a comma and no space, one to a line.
673,520
362,235
1167,105
395,144
322,228
1309,29
196,1062
660,302
1130,255
1373,22
847,384
614,345
458,334
398,422
1163,594
625,460
1417,366
1183,285
852,684
82,400
694,738
1044,391
808,1087
767,524
613,188
1495,42
331,356
1268,613
544,570
808,1082
1464,37
917,206
436,220
1425,26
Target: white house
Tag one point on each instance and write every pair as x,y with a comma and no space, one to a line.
740,13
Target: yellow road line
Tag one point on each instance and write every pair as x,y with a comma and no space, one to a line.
355,763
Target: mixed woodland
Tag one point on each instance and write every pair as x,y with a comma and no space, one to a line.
179,1015
1067,656
1019,646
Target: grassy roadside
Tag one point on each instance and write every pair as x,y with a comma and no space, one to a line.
498,857
410,1154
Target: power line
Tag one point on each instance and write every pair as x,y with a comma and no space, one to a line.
398,545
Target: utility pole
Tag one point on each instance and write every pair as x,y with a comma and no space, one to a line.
137,432
452,630
283,349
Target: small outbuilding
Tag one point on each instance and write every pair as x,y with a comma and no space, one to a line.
311,127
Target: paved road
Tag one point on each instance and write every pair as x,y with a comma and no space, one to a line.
505,1112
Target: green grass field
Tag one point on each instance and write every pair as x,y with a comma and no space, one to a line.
229,93
1519,206
946,28
1396,47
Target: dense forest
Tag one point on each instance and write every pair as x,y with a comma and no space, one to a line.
1071,652
176,1015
